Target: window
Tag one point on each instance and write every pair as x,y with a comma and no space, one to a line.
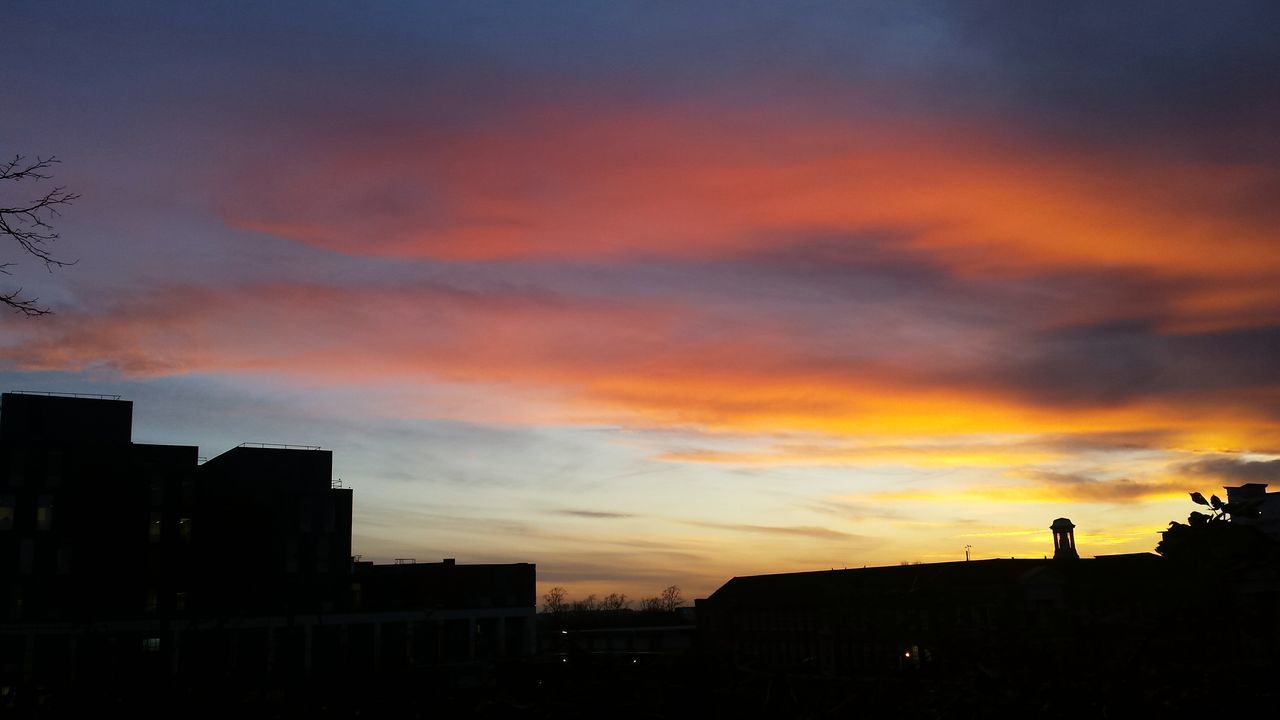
16,468
157,492
44,512
184,529
153,601
322,555
179,602
53,474
151,644
153,532
6,511
26,555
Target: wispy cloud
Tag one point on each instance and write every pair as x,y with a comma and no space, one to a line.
593,514
809,531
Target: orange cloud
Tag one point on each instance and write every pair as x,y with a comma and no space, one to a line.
974,454
698,183
596,360
1042,488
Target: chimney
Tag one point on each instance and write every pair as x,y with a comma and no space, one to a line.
1064,540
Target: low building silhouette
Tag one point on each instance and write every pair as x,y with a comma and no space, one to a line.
619,636
1051,636
125,563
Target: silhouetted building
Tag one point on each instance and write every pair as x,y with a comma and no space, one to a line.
1060,621
274,535
124,563
619,636
1252,505
1064,540
92,526
472,612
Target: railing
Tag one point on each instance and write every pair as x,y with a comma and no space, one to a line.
50,393
406,561
278,446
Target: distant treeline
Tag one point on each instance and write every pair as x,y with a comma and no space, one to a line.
556,600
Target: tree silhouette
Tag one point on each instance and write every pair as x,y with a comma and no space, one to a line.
668,601
1212,540
27,224
615,601
554,600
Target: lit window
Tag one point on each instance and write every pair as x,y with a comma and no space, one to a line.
184,529
153,532
44,512
151,644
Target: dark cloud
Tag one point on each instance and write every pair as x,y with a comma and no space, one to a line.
1234,470
1167,75
887,267
1070,337
1106,441
1114,363
1082,488
1106,364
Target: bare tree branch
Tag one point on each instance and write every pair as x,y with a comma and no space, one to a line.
28,224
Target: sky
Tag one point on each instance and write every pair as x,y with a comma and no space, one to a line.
667,292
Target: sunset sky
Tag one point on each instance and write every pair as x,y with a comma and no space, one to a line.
666,292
